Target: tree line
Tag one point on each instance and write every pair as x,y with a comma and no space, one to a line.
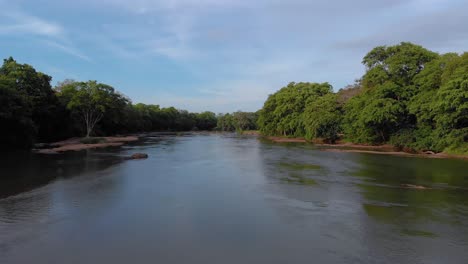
238,121
410,97
31,110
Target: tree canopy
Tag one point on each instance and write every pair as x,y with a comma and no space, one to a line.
29,106
31,110
409,96
92,101
282,113
237,121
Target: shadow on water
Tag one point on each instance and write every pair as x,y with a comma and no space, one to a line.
24,171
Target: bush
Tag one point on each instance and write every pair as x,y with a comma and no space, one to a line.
403,139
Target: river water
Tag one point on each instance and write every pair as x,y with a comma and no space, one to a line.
222,198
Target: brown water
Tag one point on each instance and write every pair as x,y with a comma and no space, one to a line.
228,199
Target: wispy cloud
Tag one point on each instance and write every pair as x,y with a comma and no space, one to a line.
14,21
229,54
67,49
21,23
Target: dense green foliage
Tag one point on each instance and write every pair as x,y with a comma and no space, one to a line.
409,96
31,110
322,118
237,121
91,101
282,113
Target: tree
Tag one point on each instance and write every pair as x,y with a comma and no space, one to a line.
381,109
32,88
90,100
399,64
282,112
206,120
18,129
451,106
322,118
225,122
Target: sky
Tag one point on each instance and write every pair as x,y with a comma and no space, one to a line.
219,55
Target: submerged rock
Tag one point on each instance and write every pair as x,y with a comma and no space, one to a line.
138,156
412,186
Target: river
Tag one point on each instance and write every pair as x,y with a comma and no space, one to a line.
223,198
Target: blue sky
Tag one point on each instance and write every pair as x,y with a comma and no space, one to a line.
218,55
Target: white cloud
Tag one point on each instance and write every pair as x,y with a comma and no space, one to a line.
68,49
21,23
236,52
148,6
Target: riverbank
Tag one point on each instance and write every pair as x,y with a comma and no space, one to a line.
360,148
77,144
251,133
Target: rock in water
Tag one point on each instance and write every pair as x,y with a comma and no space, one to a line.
138,156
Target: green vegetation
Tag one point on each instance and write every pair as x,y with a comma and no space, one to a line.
237,121
31,110
409,96
282,113
299,166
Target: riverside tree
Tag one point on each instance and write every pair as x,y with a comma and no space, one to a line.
282,113
322,118
29,108
237,121
409,96
91,101
388,85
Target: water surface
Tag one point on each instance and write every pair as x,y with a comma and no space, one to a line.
229,199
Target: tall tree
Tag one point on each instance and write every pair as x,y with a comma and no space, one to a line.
381,110
322,118
35,90
89,100
282,111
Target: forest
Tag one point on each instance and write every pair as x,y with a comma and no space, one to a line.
409,97
32,111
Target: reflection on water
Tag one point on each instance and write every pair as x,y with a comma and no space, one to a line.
23,171
299,179
443,198
231,199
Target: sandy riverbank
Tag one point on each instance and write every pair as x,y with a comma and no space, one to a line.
74,144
